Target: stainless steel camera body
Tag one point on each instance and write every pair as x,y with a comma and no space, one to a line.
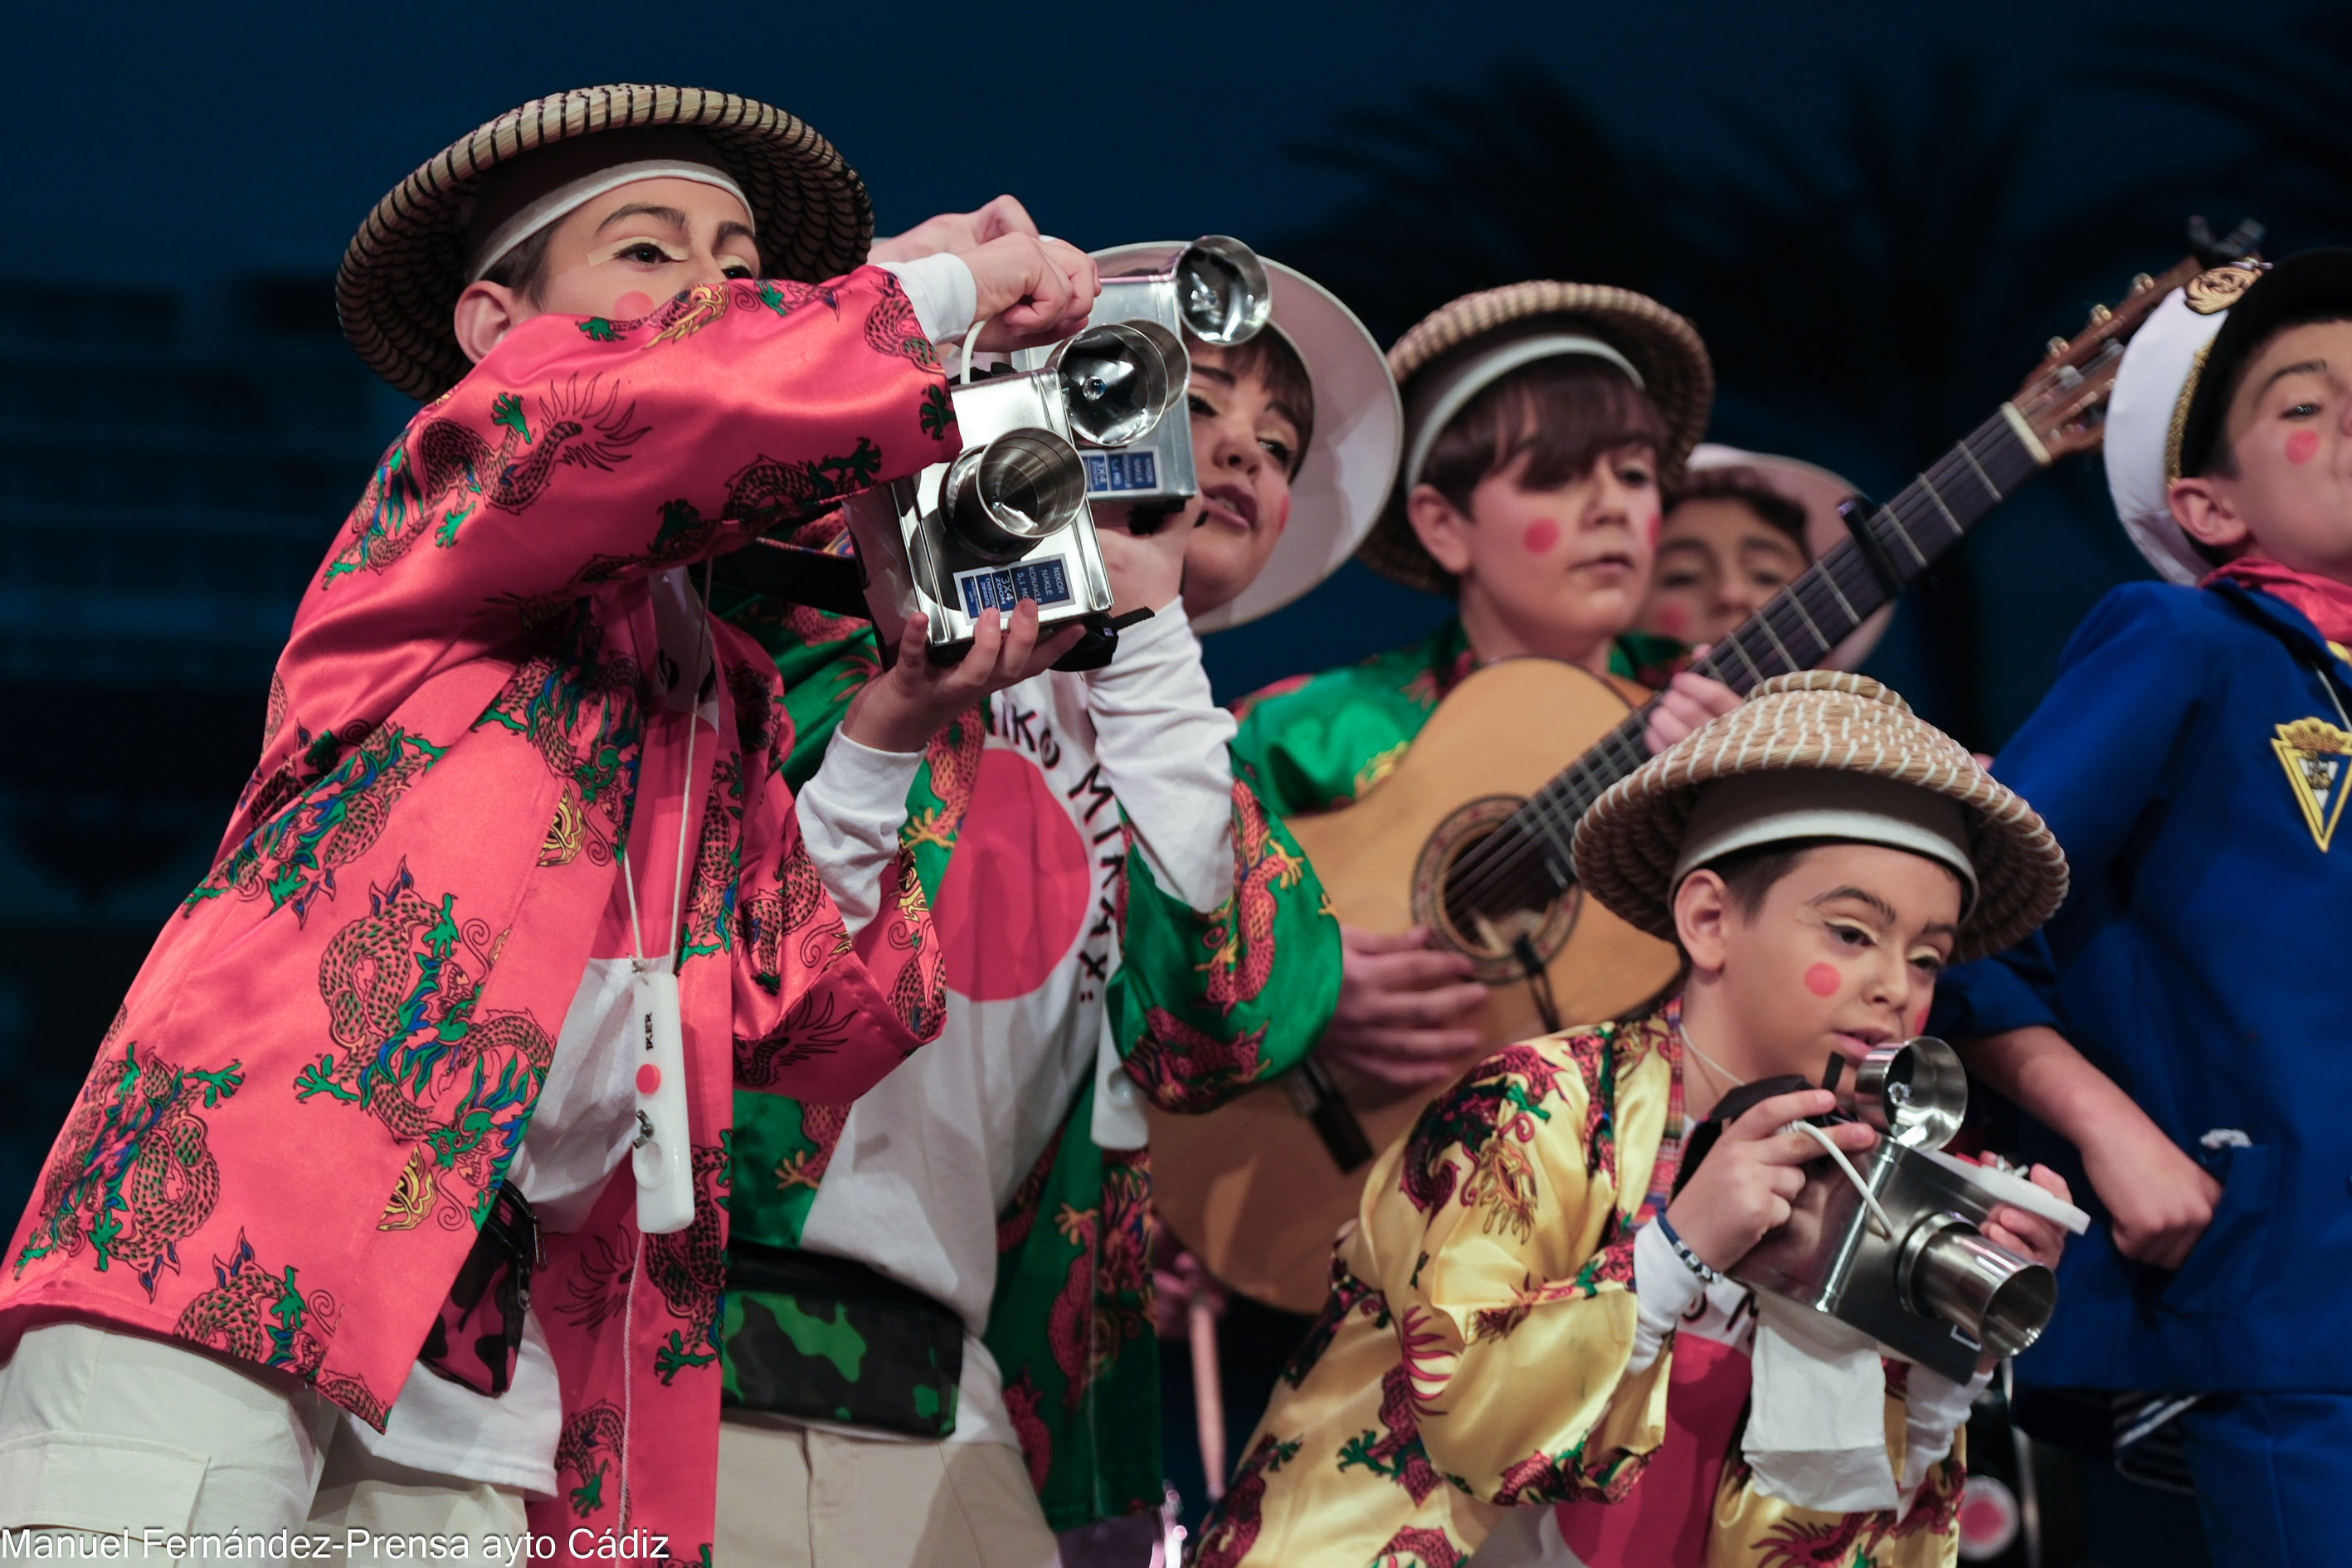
1926,1283
1006,518
1214,288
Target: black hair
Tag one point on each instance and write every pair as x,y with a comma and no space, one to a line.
1564,415
1749,875
524,268
1747,486
1269,357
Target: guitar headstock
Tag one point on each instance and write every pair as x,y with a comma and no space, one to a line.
2062,402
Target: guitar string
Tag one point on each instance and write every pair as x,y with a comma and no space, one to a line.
1620,748
1962,461
1511,852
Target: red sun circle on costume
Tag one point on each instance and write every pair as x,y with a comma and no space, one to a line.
1824,980
1017,888
648,1079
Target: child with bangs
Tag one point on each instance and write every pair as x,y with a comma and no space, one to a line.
1121,920
1533,1353
1540,422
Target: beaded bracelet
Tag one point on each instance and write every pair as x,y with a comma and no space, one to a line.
1708,1274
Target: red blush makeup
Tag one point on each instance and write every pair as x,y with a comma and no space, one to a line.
1824,980
2302,446
1540,536
1673,620
633,306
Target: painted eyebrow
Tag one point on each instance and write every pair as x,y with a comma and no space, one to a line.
1282,411
733,230
1224,375
2308,367
669,216
1884,911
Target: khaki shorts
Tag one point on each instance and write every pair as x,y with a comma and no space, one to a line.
108,1433
790,1496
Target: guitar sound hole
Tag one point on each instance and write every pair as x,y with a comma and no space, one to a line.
1481,898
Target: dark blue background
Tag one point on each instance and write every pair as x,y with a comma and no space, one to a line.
1875,214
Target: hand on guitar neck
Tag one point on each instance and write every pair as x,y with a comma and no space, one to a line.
1688,701
1402,1002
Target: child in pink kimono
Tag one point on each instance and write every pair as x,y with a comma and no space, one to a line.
514,782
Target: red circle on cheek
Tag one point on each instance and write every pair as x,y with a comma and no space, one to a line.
631,305
2302,446
1650,531
1824,980
1673,620
1540,536
1919,1024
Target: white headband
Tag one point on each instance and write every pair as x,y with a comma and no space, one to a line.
1749,810
564,200
1450,398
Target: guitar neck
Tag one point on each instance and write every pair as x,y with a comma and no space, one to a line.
1827,604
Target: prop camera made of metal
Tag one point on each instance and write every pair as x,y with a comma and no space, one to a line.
1907,1263
1214,288
1006,518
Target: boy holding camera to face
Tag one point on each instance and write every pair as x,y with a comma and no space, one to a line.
514,897
2177,1021
1531,1326
1119,921
1539,420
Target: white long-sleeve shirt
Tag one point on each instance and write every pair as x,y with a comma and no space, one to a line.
935,1152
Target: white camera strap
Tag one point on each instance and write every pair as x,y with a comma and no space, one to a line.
661,1154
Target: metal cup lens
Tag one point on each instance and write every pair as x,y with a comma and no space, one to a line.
1916,1092
1119,381
1221,290
1002,498
1999,1300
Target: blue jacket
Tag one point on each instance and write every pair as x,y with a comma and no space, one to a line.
2201,960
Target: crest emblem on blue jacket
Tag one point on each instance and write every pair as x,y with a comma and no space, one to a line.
2318,757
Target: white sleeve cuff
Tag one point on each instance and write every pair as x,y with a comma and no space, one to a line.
849,816
1935,1408
942,291
1665,1289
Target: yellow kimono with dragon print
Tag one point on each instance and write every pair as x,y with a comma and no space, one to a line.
1473,1355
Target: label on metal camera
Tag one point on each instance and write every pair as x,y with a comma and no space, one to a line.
1109,473
1047,582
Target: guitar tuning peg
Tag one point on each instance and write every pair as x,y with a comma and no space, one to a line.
2099,313
2057,347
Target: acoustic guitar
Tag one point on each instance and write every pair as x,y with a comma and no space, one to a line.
1470,835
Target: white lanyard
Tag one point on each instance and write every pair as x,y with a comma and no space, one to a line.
660,1154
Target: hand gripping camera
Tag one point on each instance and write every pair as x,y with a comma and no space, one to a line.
1006,518
1215,288
1889,1243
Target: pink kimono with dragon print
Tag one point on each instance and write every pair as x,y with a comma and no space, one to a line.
328,1059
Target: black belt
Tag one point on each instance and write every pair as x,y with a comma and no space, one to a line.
818,1338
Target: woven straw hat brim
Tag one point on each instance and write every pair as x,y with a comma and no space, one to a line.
1628,843
404,270
1662,345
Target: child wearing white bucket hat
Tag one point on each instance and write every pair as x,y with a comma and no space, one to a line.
1532,1350
1122,921
2193,755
